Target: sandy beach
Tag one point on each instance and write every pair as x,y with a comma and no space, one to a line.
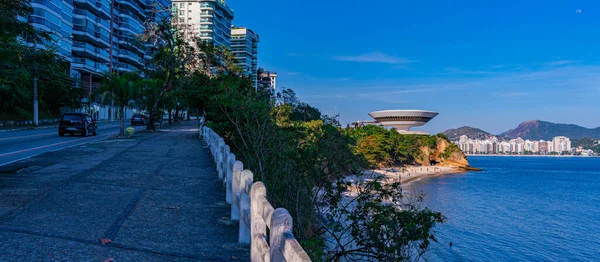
408,174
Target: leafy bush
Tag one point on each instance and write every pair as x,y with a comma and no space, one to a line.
300,155
383,148
377,223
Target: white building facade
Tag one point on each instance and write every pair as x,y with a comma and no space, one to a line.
518,146
561,144
208,20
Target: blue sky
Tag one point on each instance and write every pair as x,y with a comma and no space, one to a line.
487,64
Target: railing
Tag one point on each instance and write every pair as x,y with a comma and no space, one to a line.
249,206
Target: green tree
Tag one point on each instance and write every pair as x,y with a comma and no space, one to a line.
171,57
300,159
377,223
122,89
21,62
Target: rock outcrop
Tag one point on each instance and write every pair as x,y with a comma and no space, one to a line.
445,153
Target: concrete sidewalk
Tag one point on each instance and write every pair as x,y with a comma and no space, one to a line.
155,197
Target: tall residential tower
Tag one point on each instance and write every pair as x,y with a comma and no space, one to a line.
96,35
244,46
210,20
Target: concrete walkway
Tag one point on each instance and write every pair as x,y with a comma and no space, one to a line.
155,197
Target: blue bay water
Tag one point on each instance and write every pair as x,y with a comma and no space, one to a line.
518,209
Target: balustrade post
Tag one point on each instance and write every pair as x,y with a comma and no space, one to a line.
281,222
258,227
236,189
224,156
245,220
246,179
229,177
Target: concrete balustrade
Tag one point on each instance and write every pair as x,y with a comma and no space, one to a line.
250,207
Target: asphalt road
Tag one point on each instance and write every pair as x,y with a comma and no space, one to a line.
17,145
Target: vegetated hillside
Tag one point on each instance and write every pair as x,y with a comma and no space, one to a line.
471,132
536,130
587,143
386,148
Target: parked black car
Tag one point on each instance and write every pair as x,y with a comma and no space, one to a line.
138,119
77,123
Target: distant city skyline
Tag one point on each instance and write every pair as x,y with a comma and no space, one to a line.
480,64
519,146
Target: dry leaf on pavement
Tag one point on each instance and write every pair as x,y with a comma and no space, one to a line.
105,241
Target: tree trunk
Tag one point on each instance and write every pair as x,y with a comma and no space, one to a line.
155,105
170,116
176,118
122,128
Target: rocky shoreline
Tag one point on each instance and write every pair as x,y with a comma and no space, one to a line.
407,174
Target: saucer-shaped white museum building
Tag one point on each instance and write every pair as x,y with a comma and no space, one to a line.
403,120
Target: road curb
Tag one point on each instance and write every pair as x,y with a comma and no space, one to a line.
40,127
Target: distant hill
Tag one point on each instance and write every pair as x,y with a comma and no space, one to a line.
536,130
471,132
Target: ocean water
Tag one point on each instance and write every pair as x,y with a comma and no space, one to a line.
518,209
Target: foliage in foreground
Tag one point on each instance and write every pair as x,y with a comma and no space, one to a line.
384,148
20,63
300,154
376,222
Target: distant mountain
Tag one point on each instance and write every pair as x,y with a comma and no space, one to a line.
471,132
536,130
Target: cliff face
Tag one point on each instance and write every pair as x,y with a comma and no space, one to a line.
445,153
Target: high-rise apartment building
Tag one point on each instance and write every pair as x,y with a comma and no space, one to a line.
54,16
96,35
267,81
561,144
244,46
91,41
209,20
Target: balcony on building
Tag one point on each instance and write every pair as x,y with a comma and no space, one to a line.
128,42
91,17
129,57
123,67
99,7
87,65
129,14
131,5
91,34
83,49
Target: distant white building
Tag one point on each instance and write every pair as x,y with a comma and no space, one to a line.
561,144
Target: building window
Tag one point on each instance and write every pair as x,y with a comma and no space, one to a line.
181,5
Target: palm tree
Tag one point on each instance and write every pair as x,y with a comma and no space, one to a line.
122,89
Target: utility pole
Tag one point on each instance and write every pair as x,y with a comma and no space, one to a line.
35,91
110,68
35,99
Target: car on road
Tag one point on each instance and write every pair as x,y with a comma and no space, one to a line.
138,119
81,123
